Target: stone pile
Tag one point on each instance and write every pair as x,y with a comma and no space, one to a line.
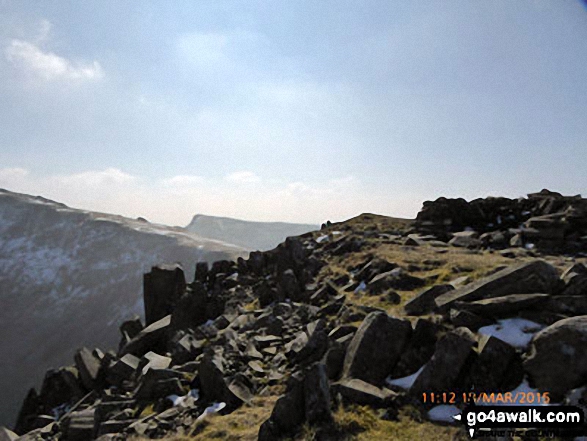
547,220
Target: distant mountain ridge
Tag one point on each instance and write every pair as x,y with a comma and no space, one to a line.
251,235
68,277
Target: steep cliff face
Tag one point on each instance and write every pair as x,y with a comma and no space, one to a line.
260,236
68,277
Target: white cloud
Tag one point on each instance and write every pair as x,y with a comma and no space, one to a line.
183,181
243,177
109,176
12,173
47,65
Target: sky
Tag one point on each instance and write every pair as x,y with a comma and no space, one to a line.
297,111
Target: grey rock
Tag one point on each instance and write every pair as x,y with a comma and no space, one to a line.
424,303
376,347
7,435
159,383
317,395
468,319
162,287
88,367
189,310
357,391
557,359
525,278
201,274
60,386
465,239
152,360
504,306
152,338
567,304
489,371
122,369
394,279
79,426
442,372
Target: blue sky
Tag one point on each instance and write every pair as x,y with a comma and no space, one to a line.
294,111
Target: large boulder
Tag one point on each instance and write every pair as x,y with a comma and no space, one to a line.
29,410
557,359
152,338
88,367
317,395
424,302
376,347
496,368
442,373
537,276
504,306
162,287
7,435
215,387
190,308
60,386
355,391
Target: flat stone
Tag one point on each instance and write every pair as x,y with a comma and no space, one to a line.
424,303
526,278
504,306
359,392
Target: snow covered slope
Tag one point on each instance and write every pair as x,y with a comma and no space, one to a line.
68,277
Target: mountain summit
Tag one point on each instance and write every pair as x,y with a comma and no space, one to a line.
261,236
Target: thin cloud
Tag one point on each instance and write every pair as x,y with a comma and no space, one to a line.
243,177
49,66
109,176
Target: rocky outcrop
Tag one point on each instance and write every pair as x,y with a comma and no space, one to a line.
546,219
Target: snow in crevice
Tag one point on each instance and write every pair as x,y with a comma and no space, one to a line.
443,413
214,408
404,382
517,331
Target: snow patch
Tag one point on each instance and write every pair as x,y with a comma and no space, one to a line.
362,287
443,413
516,331
404,382
192,395
214,408
323,238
